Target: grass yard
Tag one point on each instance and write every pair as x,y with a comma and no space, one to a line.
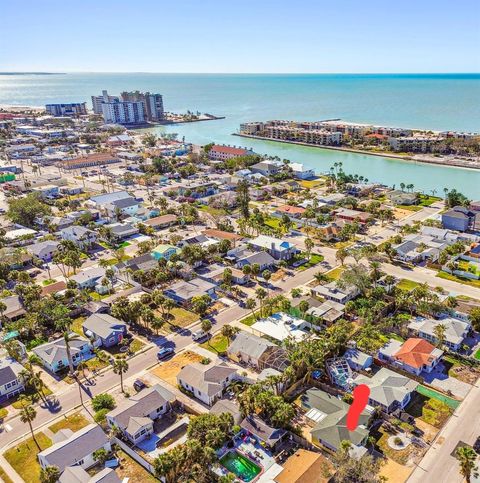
131,470
407,285
311,183
250,319
211,210
183,317
315,259
31,397
409,207
426,200
23,457
454,278
477,355
335,273
217,344
168,370
4,476
77,325
74,422
431,411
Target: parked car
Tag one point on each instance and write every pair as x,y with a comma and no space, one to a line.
138,385
200,335
164,352
476,445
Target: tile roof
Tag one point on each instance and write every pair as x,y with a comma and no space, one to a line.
415,353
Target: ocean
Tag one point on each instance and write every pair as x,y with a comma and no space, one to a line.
437,102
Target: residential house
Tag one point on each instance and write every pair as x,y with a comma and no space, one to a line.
300,171
347,214
456,330
14,307
281,326
256,351
81,236
220,235
163,251
290,211
388,390
327,415
206,382
418,248
262,259
277,248
122,207
163,221
54,354
459,218
265,434
144,263
105,330
75,449
44,250
402,198
76,474
183,292
11,382
327,312
100,201
227,406
135,416
331,291
122,231
414,355
358,360
266,167
90,278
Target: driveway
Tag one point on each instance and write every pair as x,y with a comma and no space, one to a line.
439,379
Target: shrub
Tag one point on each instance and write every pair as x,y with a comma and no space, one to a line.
398,441
103,401
100,415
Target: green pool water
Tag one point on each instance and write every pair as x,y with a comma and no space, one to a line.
241,466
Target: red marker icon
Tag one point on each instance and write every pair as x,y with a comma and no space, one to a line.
360,400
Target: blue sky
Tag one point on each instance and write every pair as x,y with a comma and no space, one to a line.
240,35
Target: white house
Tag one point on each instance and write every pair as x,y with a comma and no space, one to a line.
81,236
11,383
75,448
301,171
135,416
206,382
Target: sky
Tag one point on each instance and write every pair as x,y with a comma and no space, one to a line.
246,36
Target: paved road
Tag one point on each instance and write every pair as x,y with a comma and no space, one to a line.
438,465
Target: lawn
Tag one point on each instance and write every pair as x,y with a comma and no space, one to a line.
250,319
77,325
454,278
183,317
217,344
311,183
407,285
131,470
426,200
31,397
477,355
430,393
134,347
23,458
335,273
314,259
212,211
409,207
168,370
4,476
74,422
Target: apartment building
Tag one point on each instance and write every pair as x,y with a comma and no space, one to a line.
90,160
414,144
97,101
71,109
152,104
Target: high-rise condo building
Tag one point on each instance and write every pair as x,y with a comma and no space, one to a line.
152,103
97,101
71,109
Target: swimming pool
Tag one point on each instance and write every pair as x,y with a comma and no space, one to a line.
240,465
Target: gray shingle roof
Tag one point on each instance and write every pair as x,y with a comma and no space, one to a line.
249,344
103,325
81,444
206,378
55,351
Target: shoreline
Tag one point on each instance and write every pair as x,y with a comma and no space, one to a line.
448,163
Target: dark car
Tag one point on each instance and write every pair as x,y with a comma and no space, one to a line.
476,445
164,352
138,385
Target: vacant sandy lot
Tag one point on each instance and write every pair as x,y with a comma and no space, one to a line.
394,472
168,370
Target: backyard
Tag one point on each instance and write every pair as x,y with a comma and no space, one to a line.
432,411
129,469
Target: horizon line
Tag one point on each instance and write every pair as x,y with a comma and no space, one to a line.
13,72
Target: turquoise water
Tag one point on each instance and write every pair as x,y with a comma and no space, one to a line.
241,466
450,101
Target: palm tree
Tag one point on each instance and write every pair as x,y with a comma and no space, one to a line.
439,332
261,294
120,366
467,459
250,304
49,474
229,332
28,415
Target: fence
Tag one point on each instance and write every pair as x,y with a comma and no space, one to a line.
133,454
